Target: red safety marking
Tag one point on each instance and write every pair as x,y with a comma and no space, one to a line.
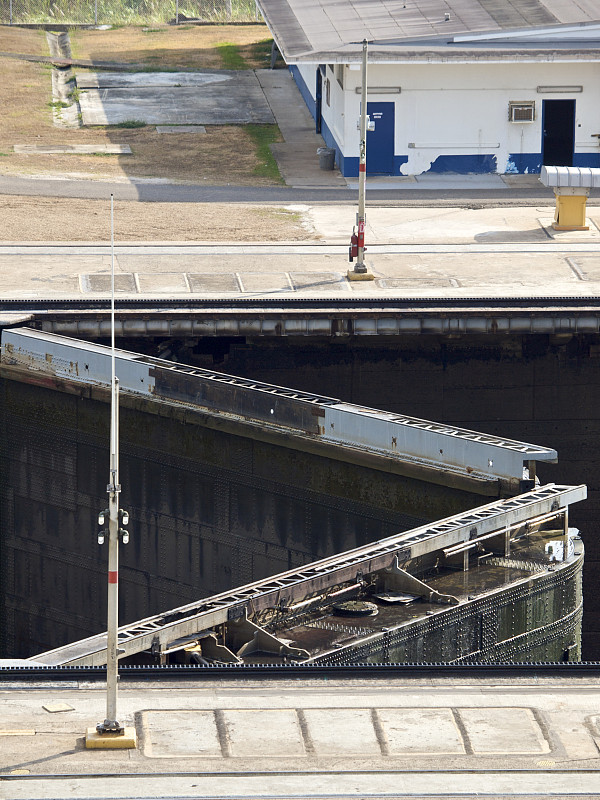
362,167
361,226
113,577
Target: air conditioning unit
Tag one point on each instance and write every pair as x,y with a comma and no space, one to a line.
521,112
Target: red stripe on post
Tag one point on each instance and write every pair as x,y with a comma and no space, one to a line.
113,577
362,167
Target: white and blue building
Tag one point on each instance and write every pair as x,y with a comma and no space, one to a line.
464,86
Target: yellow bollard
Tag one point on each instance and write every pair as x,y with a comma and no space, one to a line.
569,214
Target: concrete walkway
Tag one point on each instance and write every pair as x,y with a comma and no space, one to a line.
297,155
306,738
420,253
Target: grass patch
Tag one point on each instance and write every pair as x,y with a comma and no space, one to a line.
175,47
261,52
262,136
130,123
231,56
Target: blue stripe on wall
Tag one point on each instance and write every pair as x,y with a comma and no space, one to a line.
586,160
521,163
464,164
350,165
532,162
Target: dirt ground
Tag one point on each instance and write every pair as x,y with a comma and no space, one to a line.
174,47
224,155
31,219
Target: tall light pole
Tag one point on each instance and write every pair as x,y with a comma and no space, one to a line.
110,733
357,241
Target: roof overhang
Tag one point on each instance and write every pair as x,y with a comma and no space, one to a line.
320,31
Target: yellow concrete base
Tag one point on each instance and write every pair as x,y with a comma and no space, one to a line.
360,276
558,227
570,212
111,741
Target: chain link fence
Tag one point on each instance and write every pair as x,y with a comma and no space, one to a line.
125,12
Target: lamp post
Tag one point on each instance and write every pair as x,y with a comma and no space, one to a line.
110,733
357,241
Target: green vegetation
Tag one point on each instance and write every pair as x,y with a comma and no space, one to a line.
126,12
130,123
58,104
262,136
262,51
231,57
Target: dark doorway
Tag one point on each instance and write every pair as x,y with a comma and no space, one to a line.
558,138
318,100
380,142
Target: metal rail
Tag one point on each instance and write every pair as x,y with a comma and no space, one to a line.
398,436
335,316
282,589
170,672
340,303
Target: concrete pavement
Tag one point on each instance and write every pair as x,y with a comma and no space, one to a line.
420,253
221,97
297,155
446,191
307,737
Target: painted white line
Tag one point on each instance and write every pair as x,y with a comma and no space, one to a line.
298,250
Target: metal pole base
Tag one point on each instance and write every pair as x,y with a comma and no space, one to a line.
109,726
360,273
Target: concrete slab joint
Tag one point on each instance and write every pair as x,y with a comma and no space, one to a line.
333,732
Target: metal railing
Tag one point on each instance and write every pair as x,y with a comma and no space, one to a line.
125,12
297,584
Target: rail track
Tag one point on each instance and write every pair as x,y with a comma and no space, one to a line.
296,671
341,304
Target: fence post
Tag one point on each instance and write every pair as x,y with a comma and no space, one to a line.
176,12
10,12
96,13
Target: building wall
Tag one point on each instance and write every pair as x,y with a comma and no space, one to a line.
454,117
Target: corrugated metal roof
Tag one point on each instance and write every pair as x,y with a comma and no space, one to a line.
304,29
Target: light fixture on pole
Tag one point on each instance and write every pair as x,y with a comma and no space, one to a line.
110,734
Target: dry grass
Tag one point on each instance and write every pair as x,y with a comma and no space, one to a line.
47,219
23,40
171,46
225,155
